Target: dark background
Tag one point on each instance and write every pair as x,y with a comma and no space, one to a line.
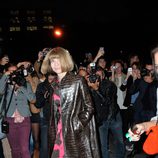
121,27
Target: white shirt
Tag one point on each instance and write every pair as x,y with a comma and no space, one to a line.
156,117
120,96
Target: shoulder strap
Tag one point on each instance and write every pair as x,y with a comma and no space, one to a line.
5,108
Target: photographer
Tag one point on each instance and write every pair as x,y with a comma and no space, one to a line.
18,93
141,86
31,77
107,112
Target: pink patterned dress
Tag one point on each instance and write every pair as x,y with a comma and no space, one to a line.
58,150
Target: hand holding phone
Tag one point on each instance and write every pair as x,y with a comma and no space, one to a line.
101,51
130,70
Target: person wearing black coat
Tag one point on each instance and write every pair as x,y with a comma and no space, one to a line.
107,112
43,93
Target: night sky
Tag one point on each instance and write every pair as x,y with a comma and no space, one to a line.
118,26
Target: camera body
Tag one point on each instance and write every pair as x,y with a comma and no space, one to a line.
30,69
114,67
5,127
145,72
19,75
93,77
45,51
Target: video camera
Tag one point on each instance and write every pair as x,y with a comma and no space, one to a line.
18,76
93,77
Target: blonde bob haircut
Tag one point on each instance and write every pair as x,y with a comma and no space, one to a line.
60,53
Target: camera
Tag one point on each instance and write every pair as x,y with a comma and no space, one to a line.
45,51
93,67
114,67
93,77
18,76
145,72
5,127
30,69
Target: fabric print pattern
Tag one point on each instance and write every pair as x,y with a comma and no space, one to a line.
58,151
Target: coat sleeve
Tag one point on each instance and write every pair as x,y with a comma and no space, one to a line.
123,87
111,94
135,87
40,100
86,113
3,82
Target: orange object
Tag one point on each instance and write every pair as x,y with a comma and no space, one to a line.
150,145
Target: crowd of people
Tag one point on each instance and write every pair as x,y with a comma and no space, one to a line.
59,109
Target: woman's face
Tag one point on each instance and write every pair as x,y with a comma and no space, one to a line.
119,68
135,69
102,63
134,59
56,66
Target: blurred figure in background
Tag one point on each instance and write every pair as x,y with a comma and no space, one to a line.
133,58
118,78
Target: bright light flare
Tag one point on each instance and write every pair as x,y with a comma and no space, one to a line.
58,33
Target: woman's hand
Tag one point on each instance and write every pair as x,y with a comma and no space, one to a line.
4,60
135,133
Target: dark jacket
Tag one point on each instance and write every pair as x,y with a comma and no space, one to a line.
105,99
127,88
145,103
148,99
42,101
78,125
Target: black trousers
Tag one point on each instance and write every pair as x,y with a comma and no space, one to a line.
1,150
